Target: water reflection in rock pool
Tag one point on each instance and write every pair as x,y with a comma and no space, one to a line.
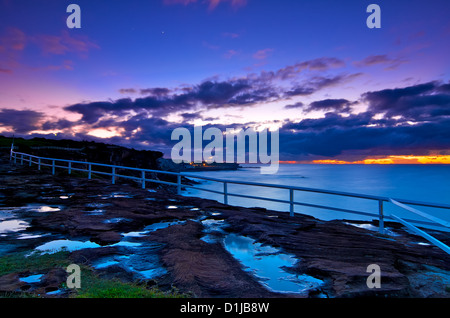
267,263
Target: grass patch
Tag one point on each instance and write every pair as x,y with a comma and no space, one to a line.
19,262
92,286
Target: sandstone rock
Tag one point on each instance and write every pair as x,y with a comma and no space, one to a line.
11,283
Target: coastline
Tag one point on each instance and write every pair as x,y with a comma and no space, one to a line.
334,252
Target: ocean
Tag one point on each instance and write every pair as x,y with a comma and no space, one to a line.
428,183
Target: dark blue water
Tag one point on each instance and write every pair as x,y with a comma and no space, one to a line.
429,183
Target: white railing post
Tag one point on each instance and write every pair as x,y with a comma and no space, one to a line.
15,158
29,157
225,193
21,159
178,184
70,167
53,166
143,179
39,164
380,217
291,202
90,171
113,178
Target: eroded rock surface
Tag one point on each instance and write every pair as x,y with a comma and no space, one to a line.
160,237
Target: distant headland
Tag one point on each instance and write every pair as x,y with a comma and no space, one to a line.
105,153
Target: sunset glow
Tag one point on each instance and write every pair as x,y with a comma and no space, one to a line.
392,160
338,95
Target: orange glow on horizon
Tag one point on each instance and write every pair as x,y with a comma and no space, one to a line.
411,159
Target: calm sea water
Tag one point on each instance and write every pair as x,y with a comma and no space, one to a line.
429,183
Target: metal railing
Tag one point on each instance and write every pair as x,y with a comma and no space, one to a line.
141,177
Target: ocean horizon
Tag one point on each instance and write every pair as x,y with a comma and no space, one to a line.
418,182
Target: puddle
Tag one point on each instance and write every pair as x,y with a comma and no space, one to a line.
121,195
13,226
127,244
153,273
267,263
95,212
113,195
214,230
370,227
56,292
144,261
135,234
105,264
68,245
42,208
161,225
116,220
9,211
32,278
151,228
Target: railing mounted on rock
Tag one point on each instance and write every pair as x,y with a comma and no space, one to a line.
141,177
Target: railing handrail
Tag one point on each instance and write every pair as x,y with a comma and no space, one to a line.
269,185
317,190
381,199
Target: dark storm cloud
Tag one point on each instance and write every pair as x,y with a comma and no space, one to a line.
296,105
331,120
319,64
21,121
91,112
207,94
362,134
418,102
189,116
412,119
300,91
238,92
339,105
334,136
427,105
316,83
59,124
156,91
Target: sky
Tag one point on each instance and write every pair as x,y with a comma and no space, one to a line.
338,91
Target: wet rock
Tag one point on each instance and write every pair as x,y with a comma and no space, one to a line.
107,238
52,280
206,270
333,251
10,283
117,272
89,255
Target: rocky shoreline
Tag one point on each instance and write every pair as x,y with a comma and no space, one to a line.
163,239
